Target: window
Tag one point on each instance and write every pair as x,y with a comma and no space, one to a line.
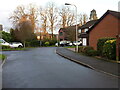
79,31
61,33
86,30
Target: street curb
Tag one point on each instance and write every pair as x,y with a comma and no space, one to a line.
86,65
3,62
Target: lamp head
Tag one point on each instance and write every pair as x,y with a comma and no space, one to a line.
67,4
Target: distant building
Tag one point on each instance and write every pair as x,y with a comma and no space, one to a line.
68,33
1,27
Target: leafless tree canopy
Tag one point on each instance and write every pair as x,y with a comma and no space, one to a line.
67,17
52,14
48,18
82,19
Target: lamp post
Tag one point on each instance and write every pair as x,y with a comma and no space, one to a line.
76,26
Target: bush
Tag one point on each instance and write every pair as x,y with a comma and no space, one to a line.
109,49
100,44
92,53
84,49
5,47
47,43
51,41
32,43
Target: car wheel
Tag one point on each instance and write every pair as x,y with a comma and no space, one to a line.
19,46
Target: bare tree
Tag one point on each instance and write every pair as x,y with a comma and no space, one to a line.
82,19
18,15
67,17
52,16
43,18
33,15
23,13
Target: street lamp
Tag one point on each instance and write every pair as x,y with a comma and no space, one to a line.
76,25
38,37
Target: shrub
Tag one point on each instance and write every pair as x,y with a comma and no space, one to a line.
47,43
100,44
53,41
80,49
109,49
84,49
92,53
5,47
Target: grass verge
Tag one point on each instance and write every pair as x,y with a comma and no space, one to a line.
2,57
70,47
13,49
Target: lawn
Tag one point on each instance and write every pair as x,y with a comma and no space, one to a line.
70,47
2,57
13,49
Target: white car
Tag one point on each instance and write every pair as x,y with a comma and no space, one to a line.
12,45
77,43
3,42
16,44
56,44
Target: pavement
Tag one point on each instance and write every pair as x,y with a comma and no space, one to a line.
103,66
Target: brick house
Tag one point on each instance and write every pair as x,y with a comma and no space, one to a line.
67,33
82,32
106,26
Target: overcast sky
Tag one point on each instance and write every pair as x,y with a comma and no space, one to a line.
84,6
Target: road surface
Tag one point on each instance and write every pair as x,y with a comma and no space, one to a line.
43,68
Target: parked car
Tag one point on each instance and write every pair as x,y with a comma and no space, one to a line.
69,43
65,43
16,44
79,43
62,43
56,44
12,45
3,42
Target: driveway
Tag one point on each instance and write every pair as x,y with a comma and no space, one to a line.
43,68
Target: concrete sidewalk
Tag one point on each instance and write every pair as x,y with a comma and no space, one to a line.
93,63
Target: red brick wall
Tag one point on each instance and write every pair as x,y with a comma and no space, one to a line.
61,36
108,27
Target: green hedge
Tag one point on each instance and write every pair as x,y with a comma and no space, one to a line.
92,53
87,50
100,44
84,49
5,47
109,49
47,44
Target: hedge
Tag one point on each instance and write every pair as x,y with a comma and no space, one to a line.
5,47
100,44
47,44
92,53
87,50
109,49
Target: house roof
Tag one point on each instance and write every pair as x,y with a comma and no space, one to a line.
69,28
88,24
113,13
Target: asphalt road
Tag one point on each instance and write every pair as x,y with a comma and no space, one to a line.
43,68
